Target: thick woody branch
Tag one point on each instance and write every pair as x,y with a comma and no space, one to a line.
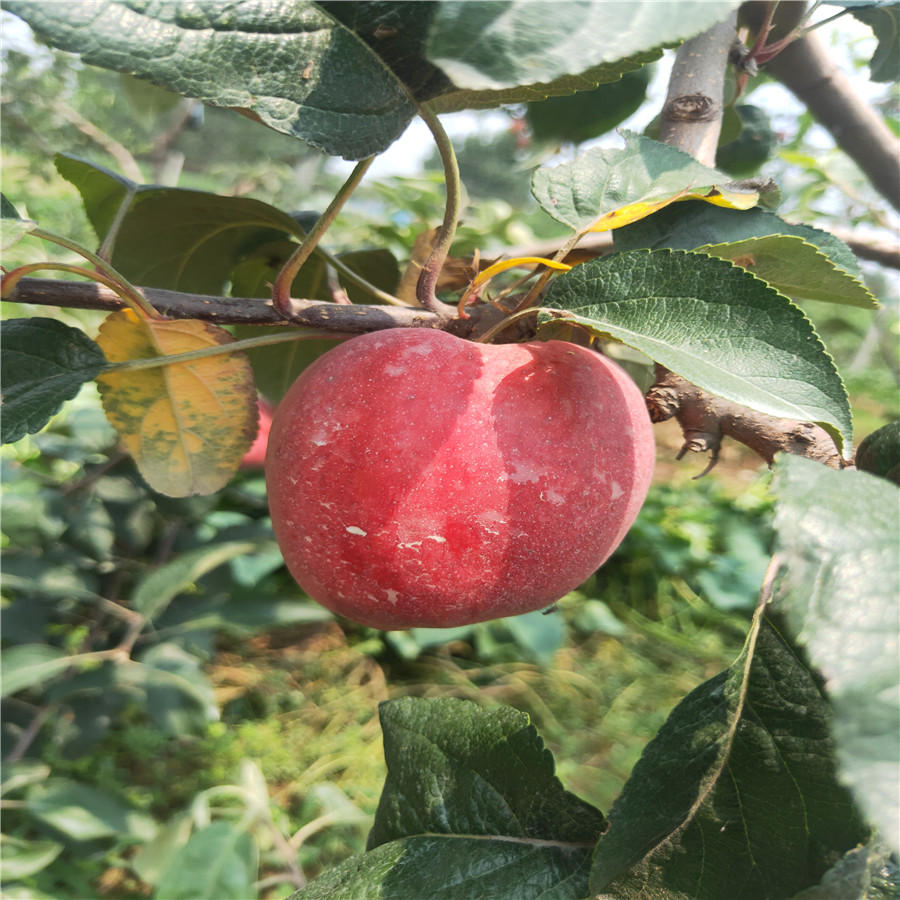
692,116
335,317
705,420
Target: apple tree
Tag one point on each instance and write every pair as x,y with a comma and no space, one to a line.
776,778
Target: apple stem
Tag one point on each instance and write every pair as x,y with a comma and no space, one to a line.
425,288
281,290
491,333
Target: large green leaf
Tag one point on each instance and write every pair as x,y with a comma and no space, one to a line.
45,363
399,33
688,225
737,796
290,65
103,192
174,238
604,180
836,537
470,808
713,323
490,46
795,268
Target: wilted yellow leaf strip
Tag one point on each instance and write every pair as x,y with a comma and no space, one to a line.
633,212
188,424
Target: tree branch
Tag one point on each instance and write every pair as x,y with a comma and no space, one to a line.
705,420
336,317
807,70
691,118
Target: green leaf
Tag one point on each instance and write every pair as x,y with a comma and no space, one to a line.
564,86
879,452
603,181
714,324
471,808
103,192
21,859
587,114
396,32
154,592
12,227
688,225
179,697
28,665
454,768
45,363
795,268
287,65
378,267
219,862
737,795
85,813
449,868
884,20
174,238
836,538
21,774
491,46
751,147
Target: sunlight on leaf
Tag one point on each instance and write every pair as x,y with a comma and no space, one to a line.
605,188
187,424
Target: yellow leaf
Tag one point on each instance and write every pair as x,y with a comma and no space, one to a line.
625,215
187,424
633,212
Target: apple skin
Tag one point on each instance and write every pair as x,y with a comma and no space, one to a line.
416,479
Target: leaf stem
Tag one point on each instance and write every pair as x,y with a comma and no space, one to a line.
264,340
425,288
12,278
281,290
118,282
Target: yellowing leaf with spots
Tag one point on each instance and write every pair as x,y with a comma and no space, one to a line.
187,424
607,188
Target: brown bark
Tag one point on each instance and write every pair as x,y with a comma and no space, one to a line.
705,420
330,317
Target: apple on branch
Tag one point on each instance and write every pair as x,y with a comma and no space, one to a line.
418,479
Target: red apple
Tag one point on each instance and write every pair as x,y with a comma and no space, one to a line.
418,479
255,457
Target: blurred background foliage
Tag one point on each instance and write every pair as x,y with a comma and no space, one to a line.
239,720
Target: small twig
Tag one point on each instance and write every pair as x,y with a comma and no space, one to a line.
30,733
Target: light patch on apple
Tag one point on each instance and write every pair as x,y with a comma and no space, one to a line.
355,529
